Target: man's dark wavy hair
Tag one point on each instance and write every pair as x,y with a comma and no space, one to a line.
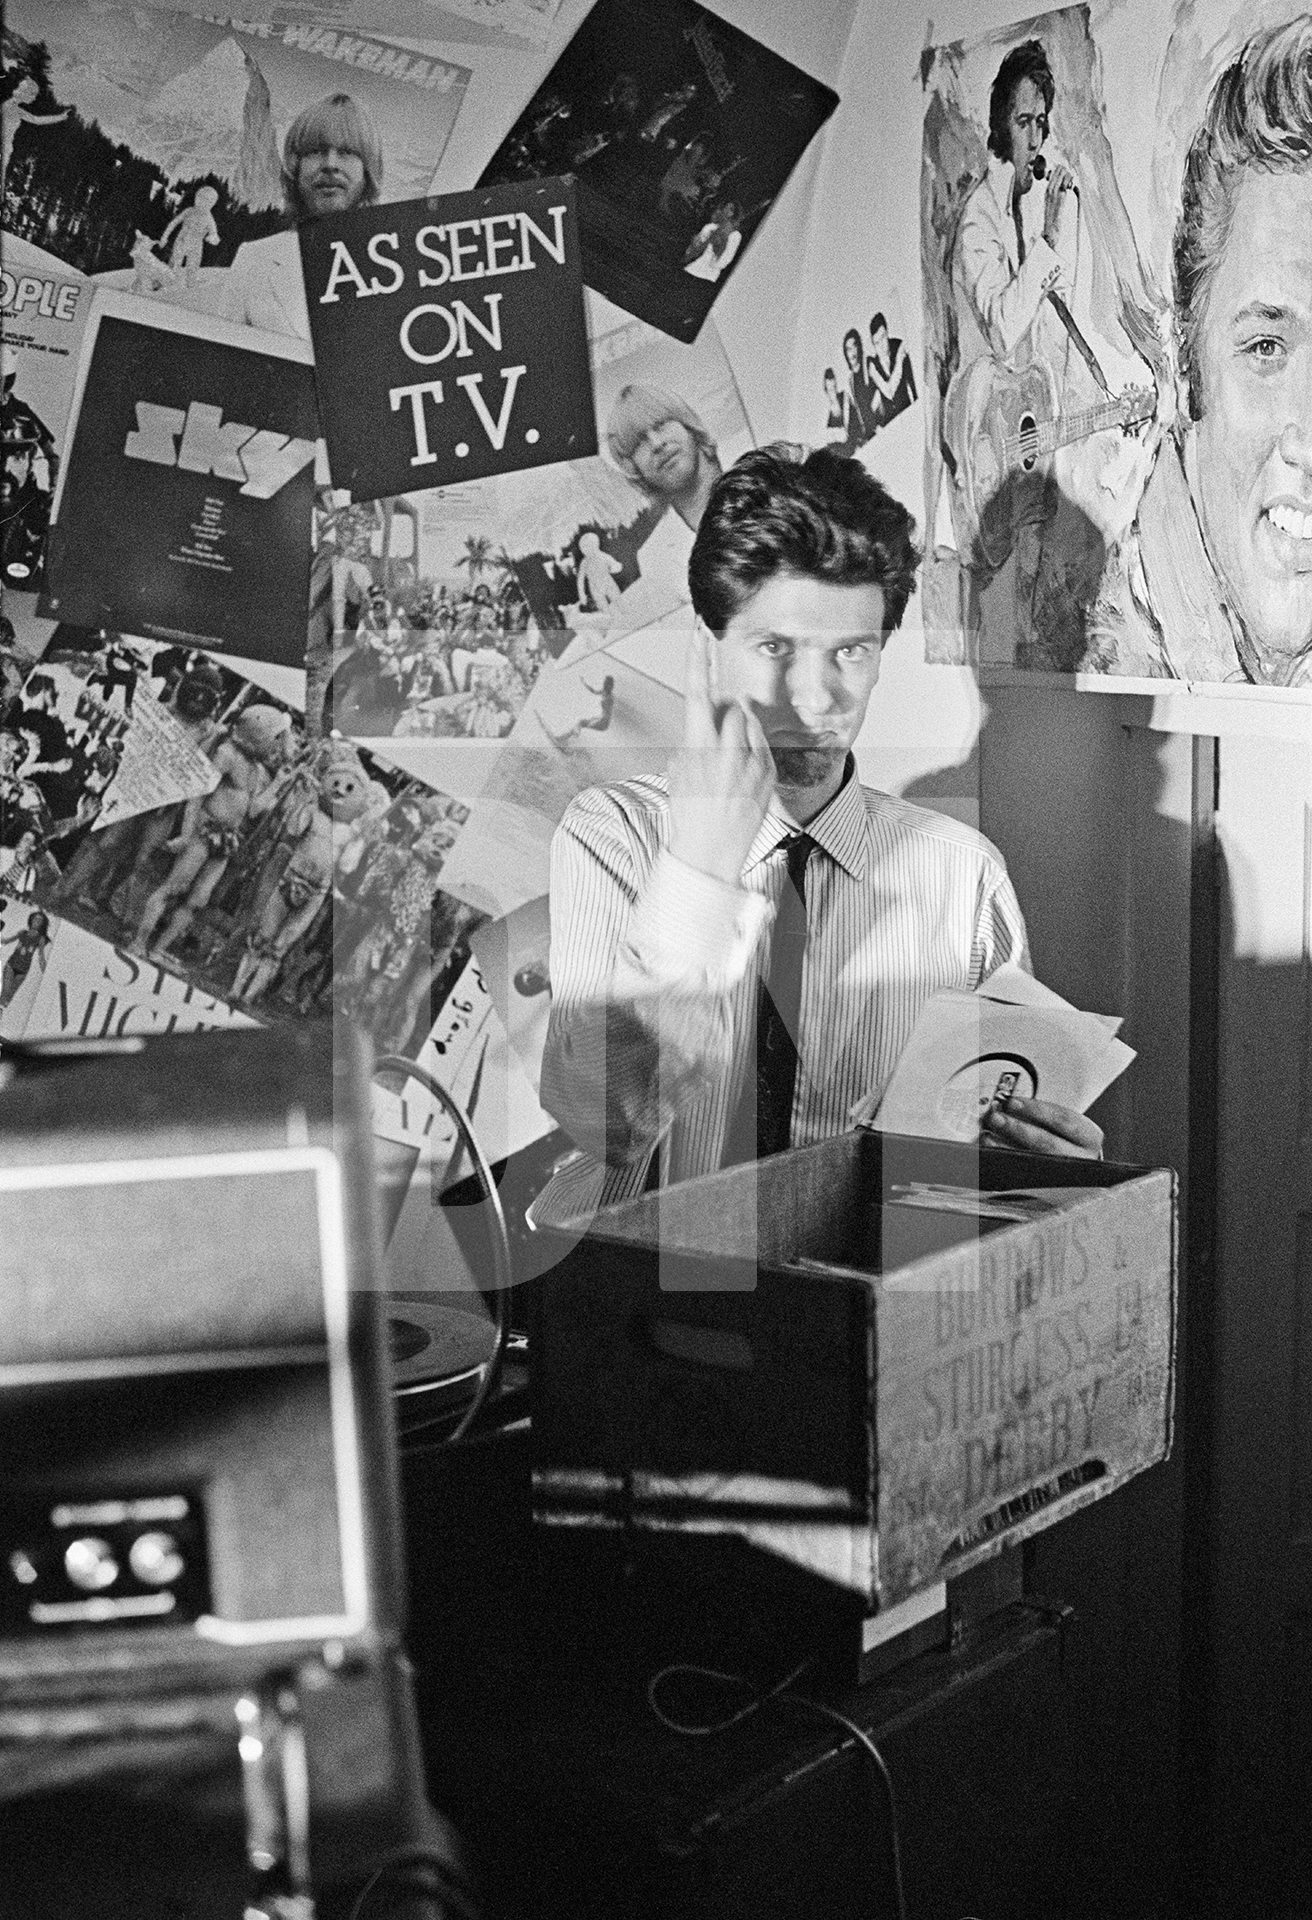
1028,61
1259,115
820,515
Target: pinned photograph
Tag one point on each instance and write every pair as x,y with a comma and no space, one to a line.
681,131
174,156
871,383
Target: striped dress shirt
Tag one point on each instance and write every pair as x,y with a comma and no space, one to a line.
655,969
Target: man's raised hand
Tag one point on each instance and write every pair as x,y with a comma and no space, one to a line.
722,777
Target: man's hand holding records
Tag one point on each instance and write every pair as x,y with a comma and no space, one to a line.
1041,1126
976,1065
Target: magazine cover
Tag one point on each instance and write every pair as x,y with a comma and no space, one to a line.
148,148
90,990
681,131
43,311
449,337
183,507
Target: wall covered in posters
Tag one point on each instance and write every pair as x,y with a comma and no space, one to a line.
181,844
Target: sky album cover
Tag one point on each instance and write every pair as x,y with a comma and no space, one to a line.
184,505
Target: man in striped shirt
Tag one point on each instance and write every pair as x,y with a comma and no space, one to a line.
663,889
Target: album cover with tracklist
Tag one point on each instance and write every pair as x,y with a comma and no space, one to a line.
183,509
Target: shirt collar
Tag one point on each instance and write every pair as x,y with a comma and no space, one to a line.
840,830
1001,178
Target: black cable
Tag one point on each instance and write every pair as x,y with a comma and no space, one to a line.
780,1691
695,1730
498,1300
883,1775
430,1875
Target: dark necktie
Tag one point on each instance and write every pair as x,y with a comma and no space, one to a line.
1020,231
765,1111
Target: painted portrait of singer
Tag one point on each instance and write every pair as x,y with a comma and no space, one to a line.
1213,581
1044,356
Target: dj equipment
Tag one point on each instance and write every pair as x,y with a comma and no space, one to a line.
199,1498
193,1401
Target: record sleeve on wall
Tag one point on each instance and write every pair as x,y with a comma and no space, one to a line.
43,308
449,337
145,148
681,132
183,509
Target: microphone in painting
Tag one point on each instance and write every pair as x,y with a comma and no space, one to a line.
1041,170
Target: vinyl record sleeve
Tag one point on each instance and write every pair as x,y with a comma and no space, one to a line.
681,131
449,337
183,510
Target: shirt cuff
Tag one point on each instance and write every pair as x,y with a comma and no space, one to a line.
691,930
1052,269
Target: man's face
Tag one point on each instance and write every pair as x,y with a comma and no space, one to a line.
1027,129
1254,441
804,655
879,343
667,458
329,180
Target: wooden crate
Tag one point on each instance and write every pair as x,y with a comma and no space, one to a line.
843,1357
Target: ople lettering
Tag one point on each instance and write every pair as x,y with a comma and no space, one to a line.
262,460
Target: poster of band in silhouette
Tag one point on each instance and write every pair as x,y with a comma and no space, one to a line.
681,131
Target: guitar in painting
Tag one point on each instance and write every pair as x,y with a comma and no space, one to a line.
1001,428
